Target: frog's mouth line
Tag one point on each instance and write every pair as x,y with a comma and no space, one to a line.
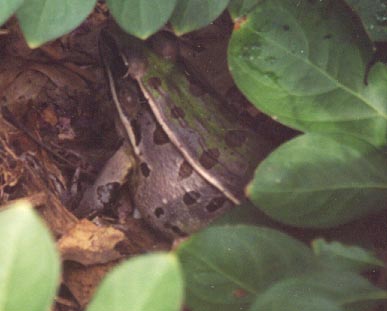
125,121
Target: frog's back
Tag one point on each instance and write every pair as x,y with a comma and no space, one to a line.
213,140
170,194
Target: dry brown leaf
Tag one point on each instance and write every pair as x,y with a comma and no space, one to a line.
89,244
82,281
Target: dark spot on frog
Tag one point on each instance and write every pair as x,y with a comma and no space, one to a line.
177,112
136,131
154,82
185,170
159,136
215,204
286,27
327,36
191,197
144,169
209,158
235,138
159,211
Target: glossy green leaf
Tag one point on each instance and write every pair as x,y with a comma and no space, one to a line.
374,17
7,8
238,8
141,18
322,290
29,263
320,181
241,267
44,20
284,301
190,15
299,62
348,257
144,283
226,267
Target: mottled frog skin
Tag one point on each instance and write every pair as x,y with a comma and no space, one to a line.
194,157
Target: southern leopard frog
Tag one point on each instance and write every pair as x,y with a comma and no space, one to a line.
194,157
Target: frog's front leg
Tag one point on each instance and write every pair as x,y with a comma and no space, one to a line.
103,194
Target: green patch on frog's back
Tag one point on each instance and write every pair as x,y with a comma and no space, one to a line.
224,148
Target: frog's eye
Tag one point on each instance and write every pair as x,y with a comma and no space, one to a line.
135,63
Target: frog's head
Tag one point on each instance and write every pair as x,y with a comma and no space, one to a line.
130,56
124,54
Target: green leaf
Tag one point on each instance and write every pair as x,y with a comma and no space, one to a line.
321,181
322,290
237,267
348,257
284,301
29,263
226,267
44,20
141,18
145,283
300,62
8,7
373,15
190,15
238,8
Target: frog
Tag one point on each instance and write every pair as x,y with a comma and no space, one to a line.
191,157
